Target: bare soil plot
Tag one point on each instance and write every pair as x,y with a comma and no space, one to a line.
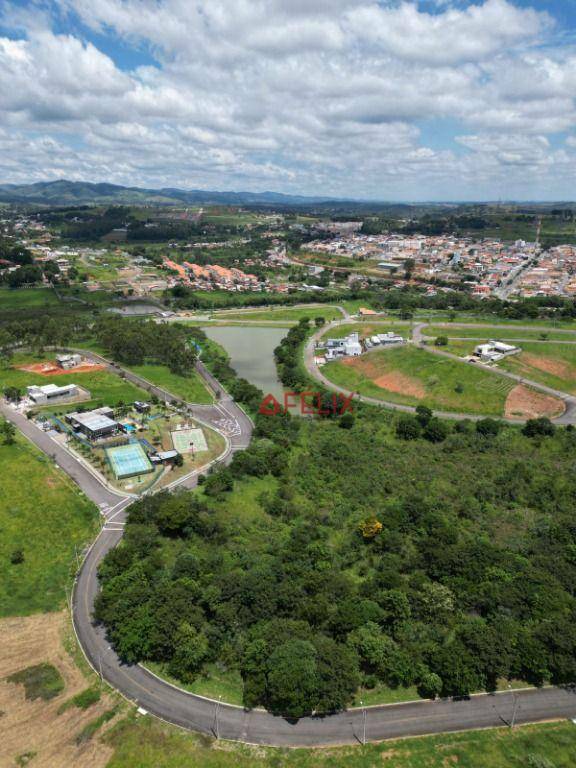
393,381
50,368
36,727
525,403
551,365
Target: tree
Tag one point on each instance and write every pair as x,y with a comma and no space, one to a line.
488,427
346,421
8,431
408,428
191,649
436,430
292,680
441,341
370,527
541,427
13,394
423,414
319,321
429,685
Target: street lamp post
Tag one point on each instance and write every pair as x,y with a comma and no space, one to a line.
363,722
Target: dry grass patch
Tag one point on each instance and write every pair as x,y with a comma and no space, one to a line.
393,381
43,728
525,403
549,365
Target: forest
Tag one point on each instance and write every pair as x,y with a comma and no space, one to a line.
373,554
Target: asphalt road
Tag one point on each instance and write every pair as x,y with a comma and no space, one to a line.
257,726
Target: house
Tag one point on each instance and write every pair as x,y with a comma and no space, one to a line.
50,393
96,424
493,351
68,361
390,338
347,347
352,346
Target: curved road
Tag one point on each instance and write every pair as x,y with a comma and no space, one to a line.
567,417
257,726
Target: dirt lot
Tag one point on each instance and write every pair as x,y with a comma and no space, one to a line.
525,403
393,381
50,368
549,365
35,726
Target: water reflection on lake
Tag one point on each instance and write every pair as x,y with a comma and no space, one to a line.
251,353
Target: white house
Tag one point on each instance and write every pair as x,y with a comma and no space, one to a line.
50,393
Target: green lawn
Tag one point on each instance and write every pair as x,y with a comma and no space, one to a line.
551,364
191,388
148,743
214,683
292,314
103,386
42,681
43,514
27,298
369,327
436,377
483,334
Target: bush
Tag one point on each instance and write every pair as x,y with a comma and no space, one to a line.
541,427
346,421
488,427
436,430
441,341
17,557
408,428
423,414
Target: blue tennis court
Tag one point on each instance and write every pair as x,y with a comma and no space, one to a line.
128,460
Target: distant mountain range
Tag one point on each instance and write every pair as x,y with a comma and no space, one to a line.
64,193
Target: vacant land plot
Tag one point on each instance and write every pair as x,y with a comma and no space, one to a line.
483,334
367,328
51,368
288,314
411,376
551,364
42,698
147,743
526,403
190,388
106,388
27,298
43,517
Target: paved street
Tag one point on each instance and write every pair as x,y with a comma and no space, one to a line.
257,726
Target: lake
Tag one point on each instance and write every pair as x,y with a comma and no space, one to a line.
251,353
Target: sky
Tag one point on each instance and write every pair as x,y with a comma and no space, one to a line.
395,100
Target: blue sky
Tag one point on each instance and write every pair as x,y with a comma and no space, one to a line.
434,100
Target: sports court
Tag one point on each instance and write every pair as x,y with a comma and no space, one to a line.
128,460
189,440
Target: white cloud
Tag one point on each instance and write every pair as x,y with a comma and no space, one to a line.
303,95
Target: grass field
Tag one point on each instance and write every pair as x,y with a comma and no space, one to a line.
191,388
411,376
43,515
551,364
291,314
27,298
147,743
483,334
103,386
369,328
